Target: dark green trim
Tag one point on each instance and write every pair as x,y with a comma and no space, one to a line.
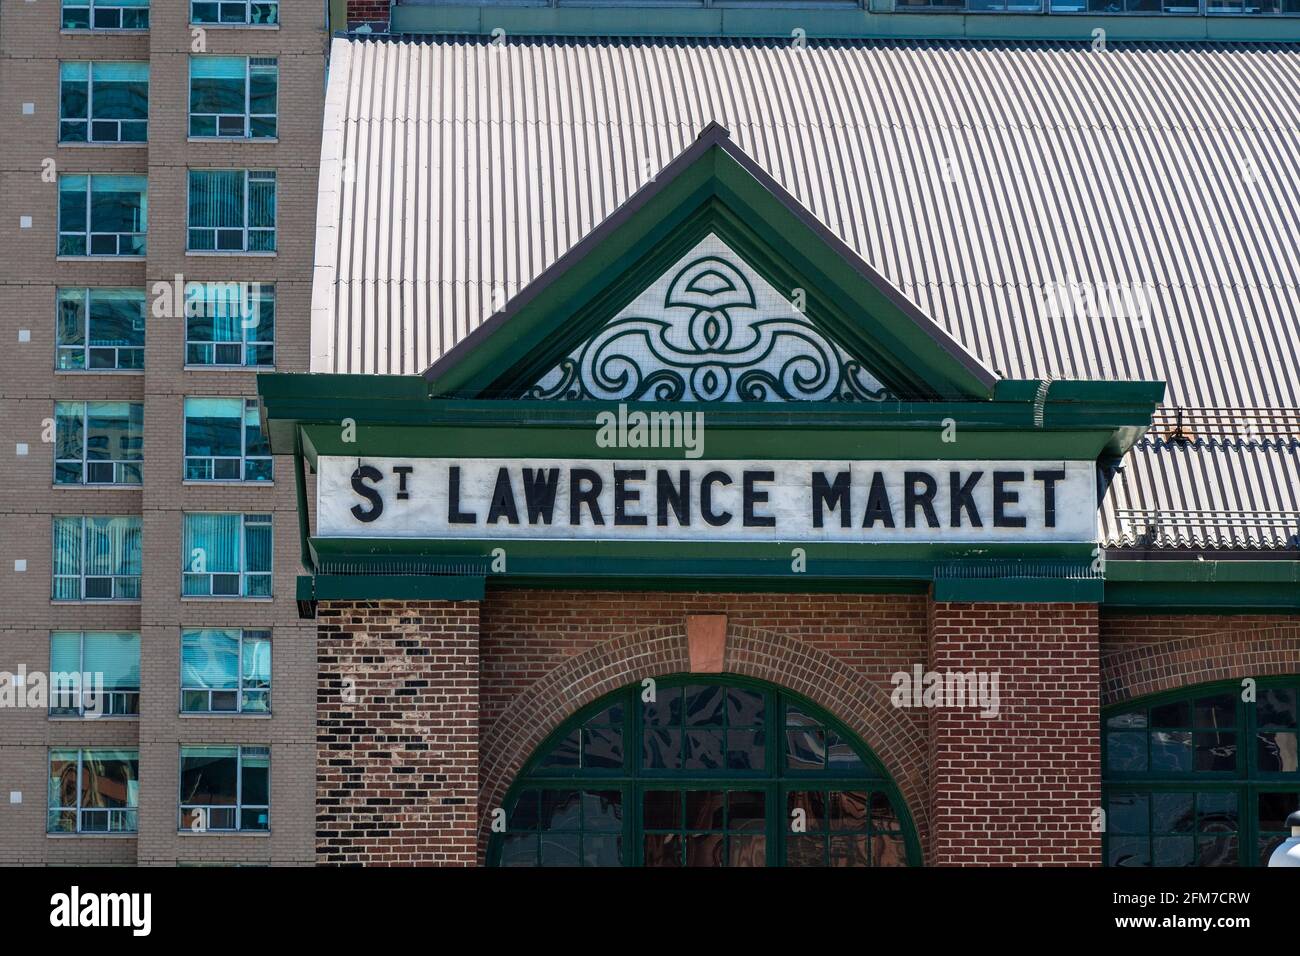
774,778
395,416
1026,590
1224,587
1032,573
828,22
300,491
393,587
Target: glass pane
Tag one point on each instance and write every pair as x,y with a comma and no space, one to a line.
661,809
209,775
210,659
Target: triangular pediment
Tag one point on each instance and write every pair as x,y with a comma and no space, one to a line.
711,284
711,329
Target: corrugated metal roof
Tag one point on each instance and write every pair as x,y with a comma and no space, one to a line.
1061,211
1206,494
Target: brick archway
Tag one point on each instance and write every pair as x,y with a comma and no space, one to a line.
1233,654
787,662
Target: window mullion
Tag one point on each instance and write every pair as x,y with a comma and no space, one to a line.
239,784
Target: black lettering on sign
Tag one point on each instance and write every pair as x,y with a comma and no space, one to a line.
623,496
1049,480
706,498
367,473
503,500
402,471
454,514
878,506
1003,496
831,495
912,498
752,497
539,493
962,497
678,497
590,495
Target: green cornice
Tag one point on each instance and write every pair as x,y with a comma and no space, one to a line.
1217,586
395,416
830,21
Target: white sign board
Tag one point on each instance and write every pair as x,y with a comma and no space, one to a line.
702,500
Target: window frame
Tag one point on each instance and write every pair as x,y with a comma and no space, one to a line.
1246,781
262,175
86,347
123,704
238,807
130,813
239,690
272,63
244,457
243,573
93,5
89,235
257,294
776,780
81,576
118,464
246,23
90,119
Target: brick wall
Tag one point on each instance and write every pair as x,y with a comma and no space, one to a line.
1146,653
482,686
373,12
397,733
1020,787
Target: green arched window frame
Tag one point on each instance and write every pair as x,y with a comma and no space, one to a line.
1188,780
776,780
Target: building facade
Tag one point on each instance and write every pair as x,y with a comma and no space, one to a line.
776,453
160,172
762,442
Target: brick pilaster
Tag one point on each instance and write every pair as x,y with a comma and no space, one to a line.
1019,788
397,723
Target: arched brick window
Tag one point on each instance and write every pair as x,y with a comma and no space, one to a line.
1201,776
689,771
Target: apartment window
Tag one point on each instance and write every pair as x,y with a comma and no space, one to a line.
96,558
94,674
99,330
1126,6
98,443
232,210
103,215
233,96
103,102
235,13
225,788
93,791
225,671
224,441
227,555
106,14
230,324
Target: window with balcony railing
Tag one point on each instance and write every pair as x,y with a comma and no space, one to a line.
103,215
96,558
99,330
98,443
93,790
